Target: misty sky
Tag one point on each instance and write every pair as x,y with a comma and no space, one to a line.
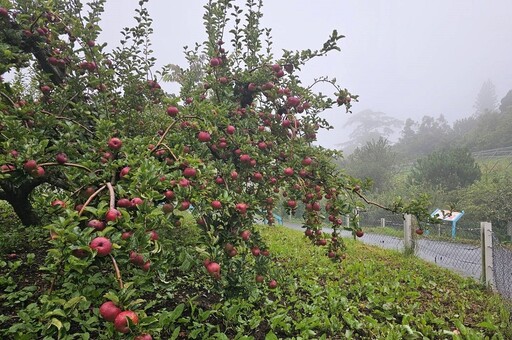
404,58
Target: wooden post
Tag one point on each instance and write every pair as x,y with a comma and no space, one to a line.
383,222
408,241
487,264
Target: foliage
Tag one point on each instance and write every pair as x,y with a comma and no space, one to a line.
374,161
373,293
420,139
95,153
489,199
487,131
486,99
369,125
506,103
448,168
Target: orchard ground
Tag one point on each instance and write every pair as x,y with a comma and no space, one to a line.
372,293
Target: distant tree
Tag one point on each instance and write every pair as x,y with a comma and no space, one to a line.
506,103
369,125
486,99
418,139
489,199
449,169
374,161
489,130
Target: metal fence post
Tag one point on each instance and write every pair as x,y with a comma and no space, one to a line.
487,265
408,241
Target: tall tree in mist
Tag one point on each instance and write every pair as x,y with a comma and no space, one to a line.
486,99
506,103
369,125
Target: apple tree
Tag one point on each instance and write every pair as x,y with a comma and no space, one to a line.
97,154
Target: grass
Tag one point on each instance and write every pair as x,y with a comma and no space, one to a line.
380,294
372,294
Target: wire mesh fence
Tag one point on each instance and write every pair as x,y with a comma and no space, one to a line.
502,266
384,230
462,253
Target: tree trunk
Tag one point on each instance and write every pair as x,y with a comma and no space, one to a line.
23,208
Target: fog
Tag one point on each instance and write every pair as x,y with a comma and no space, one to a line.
404,58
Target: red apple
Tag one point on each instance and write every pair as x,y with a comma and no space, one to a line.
241,208
292,204
255,251
214,62
260,278
114,143
109,311
216,204
96,224
272,284
184,205
359,233
143,337
288,171
124,203
293,101
136,201
167,208
124,171
419,231
39,172
307,161
203,136
61,158
112,215
126,235
146,266
172,111
102,245
189,172
276,68
245,235
230,129
136,258
169,194
59,203
214,269
153,235
121,321
30,166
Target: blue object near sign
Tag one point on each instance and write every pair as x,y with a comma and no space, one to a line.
449,216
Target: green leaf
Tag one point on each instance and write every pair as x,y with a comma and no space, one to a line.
271,336
72,302
56,322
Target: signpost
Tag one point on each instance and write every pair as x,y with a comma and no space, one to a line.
449,216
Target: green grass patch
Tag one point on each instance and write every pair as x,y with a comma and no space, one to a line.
377,294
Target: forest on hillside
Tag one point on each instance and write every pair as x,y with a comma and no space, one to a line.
462,166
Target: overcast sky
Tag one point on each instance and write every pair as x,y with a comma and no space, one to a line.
404,58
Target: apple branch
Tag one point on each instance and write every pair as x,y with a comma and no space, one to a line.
6,96
67,164
69,119
170,151
163,136
367,201
90,199
118,272
112,195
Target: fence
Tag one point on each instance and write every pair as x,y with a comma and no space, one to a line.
476,251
